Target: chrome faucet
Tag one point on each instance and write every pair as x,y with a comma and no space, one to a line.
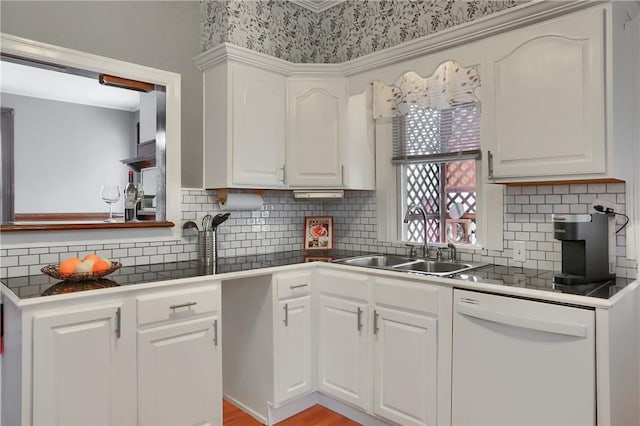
454,251
410,209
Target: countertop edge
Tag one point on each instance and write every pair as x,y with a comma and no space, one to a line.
545,296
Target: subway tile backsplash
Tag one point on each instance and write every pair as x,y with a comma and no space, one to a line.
278,225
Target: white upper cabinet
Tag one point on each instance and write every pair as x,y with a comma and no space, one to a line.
244,127
316,132
269,123
548,99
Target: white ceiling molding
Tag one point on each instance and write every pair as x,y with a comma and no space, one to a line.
317,6
500,22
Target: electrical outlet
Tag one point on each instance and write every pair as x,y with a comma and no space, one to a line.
519,251
606,204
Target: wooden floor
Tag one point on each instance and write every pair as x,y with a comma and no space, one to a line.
314,416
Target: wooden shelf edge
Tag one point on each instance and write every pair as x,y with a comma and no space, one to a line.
82,226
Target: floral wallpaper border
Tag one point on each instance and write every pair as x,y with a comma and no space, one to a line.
350,29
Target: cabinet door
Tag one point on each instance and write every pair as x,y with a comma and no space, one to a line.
258,139
343,350
315,136
544,98
293,349
405,367
179,380
80,367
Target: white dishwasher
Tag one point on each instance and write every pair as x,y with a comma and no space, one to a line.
521,362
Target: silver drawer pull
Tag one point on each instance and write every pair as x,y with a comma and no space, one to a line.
292,287
183,305
286,315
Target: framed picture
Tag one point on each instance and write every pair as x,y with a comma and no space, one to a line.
318,232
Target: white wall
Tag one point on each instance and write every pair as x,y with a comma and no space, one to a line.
64,152
158,34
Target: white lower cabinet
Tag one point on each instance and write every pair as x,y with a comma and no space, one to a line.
179,357
149,356
178,373
80,364
405,367
406,320
292,336
293,345
378,346
343,337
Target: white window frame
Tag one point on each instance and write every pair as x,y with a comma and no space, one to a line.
489,228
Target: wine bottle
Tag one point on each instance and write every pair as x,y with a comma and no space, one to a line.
130,198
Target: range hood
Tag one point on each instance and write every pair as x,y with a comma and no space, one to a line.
318,194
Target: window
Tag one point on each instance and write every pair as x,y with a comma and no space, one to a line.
427,133
435,151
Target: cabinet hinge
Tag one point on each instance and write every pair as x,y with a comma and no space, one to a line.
490,163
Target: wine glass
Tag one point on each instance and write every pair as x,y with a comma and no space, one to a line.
110,194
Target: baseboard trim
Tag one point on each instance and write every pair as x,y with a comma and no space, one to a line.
246,409
291,408
352,413
288,409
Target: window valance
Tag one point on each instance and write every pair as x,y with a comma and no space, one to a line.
450,85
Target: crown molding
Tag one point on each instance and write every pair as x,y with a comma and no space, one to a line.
317,6
506,20
227,51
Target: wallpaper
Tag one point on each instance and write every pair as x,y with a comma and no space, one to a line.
349,30
274,27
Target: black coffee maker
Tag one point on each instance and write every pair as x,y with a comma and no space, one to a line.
585,248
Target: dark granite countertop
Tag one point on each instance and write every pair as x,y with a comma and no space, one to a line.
43,285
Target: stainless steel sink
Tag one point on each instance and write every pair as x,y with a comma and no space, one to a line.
407,264
376,260
435,267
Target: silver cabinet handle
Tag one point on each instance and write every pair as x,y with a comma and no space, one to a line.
490,161
284,173
286,315
183,305
359,319
292,287
375,322
118,323
342,175
215,332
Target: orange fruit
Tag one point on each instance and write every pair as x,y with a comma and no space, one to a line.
101,265
68,266
91,256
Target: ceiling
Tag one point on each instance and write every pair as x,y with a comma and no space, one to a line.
36,82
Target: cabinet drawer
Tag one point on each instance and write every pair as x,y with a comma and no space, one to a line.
416,297
177,305
292,285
